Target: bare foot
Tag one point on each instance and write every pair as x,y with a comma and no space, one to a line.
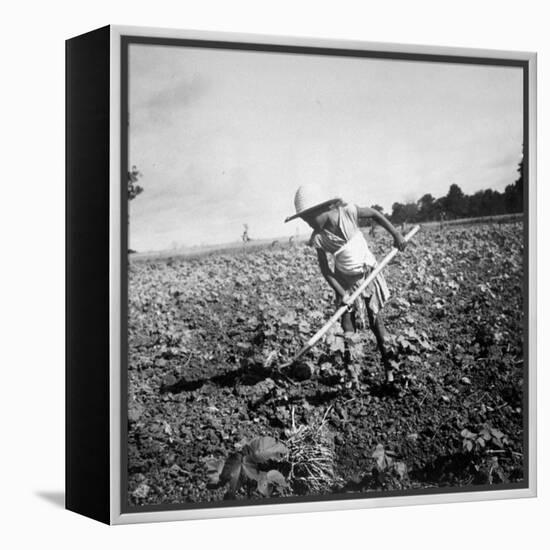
353,376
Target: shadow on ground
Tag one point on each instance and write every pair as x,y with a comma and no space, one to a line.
57,498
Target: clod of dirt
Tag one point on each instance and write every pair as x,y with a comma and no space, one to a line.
135,411
141,491
168,381
302,371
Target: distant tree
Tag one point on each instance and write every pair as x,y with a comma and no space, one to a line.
397,213
439,211
402,213
455,202
476,204
411,212
513,197
513,193
133,188
425,207
486,203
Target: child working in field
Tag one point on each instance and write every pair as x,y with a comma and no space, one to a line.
336,231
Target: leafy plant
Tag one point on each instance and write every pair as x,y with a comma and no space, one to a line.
247,468
485,437
389,473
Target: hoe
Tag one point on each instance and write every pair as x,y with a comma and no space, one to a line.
342,309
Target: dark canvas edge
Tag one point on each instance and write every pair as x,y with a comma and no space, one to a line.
87,449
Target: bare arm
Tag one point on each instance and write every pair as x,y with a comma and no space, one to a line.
365,212
328,274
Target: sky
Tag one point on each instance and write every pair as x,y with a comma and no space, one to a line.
225,137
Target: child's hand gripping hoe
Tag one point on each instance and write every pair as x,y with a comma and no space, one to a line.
350,299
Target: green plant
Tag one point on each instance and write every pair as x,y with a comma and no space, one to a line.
247,468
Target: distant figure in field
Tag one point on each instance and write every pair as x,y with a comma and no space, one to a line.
274,243
291,240
245,237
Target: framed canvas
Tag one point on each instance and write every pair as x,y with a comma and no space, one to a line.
300,274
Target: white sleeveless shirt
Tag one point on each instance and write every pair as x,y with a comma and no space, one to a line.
351,253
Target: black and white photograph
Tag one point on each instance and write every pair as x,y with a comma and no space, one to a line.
275,275
326,293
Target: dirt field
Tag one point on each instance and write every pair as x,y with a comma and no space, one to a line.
201,331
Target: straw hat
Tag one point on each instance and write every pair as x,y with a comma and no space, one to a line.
308,198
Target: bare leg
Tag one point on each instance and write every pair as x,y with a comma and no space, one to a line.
347,322
376,322
349,330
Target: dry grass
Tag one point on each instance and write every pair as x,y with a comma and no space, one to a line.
311,456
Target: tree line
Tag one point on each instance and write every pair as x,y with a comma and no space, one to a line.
456,204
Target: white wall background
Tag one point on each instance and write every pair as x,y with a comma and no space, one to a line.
32,275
